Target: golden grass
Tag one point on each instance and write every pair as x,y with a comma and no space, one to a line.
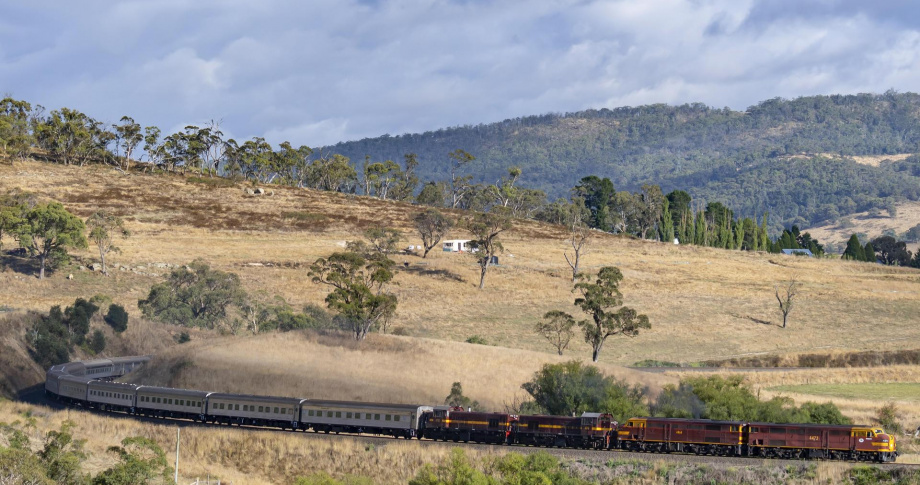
382,369
703,303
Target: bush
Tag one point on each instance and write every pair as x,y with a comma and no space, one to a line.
887,417
96,342
50,339
476,339
183,338
77,319
730,399
456,398
572,388
117,318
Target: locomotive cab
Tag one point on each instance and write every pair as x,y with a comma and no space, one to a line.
886,446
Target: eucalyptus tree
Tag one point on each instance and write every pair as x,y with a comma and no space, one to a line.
485,245
15,134
104,227
48,230
127,137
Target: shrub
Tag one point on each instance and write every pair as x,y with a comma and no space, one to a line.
96,342
117,318
183,338
476,339
572,388
49,339
887,417
456,398
77,319
730,399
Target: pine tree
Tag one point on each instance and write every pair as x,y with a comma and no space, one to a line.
667,223
701,238
854,250
739,234
764,237
869,253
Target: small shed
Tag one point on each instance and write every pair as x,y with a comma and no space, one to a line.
456,245
799,252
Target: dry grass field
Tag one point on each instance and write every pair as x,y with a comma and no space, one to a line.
382,369
703,303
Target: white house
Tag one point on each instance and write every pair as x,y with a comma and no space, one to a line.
456,245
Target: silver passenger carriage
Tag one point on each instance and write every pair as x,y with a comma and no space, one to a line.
73,388
111,396
240,409
398,420
165,402
125,365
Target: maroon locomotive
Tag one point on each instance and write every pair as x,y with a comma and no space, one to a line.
455,424
590,430
858,443
736,438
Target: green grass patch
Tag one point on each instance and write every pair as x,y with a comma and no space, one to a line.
896,391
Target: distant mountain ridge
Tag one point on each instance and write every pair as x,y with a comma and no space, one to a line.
785,157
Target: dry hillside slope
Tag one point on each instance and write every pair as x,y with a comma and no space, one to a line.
703,303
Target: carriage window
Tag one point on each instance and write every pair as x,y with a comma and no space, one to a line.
328,414
367,416
396,418
276,410
376,417
338,414
348,415
388,417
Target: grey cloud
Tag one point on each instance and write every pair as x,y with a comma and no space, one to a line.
322,71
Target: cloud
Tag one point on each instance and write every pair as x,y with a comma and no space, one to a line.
329,70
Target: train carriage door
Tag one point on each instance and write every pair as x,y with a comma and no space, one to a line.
642,430
667,433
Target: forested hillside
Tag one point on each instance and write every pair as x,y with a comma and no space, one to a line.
790,158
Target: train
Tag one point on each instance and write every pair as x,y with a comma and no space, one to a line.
91,384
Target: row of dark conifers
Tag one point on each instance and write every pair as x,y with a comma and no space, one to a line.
90,384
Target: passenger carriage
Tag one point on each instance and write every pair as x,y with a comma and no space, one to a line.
398,420
73,389
241,409
111,396
165,402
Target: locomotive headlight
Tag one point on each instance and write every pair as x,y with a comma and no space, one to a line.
884,441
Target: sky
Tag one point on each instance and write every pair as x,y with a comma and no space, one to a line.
316,72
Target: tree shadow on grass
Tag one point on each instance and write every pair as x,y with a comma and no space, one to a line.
436,273
19,261
755,320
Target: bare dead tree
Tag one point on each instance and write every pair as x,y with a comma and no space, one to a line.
785,295
579,234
